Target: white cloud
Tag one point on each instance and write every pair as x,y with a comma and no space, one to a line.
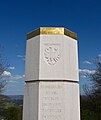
6,74
21,56
83,76
16,77
87,62
86,71
23,76
99,55
99,58
12,81
11,68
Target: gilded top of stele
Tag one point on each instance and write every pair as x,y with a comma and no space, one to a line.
52,31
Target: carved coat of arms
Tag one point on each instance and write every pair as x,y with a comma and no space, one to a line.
52,53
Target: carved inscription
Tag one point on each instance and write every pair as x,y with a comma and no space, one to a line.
51,104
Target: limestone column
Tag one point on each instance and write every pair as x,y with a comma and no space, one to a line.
51,75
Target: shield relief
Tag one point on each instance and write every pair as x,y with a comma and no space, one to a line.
51,53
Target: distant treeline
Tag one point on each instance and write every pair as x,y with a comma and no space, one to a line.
11,109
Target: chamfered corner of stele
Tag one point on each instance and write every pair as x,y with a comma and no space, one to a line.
51,75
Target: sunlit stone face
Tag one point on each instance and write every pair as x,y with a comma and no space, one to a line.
52,57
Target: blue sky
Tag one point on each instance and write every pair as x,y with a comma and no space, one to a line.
20,17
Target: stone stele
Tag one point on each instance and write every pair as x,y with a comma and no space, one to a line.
51,75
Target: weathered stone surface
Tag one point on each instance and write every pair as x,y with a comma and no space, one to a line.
52,57
51,77
51,101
